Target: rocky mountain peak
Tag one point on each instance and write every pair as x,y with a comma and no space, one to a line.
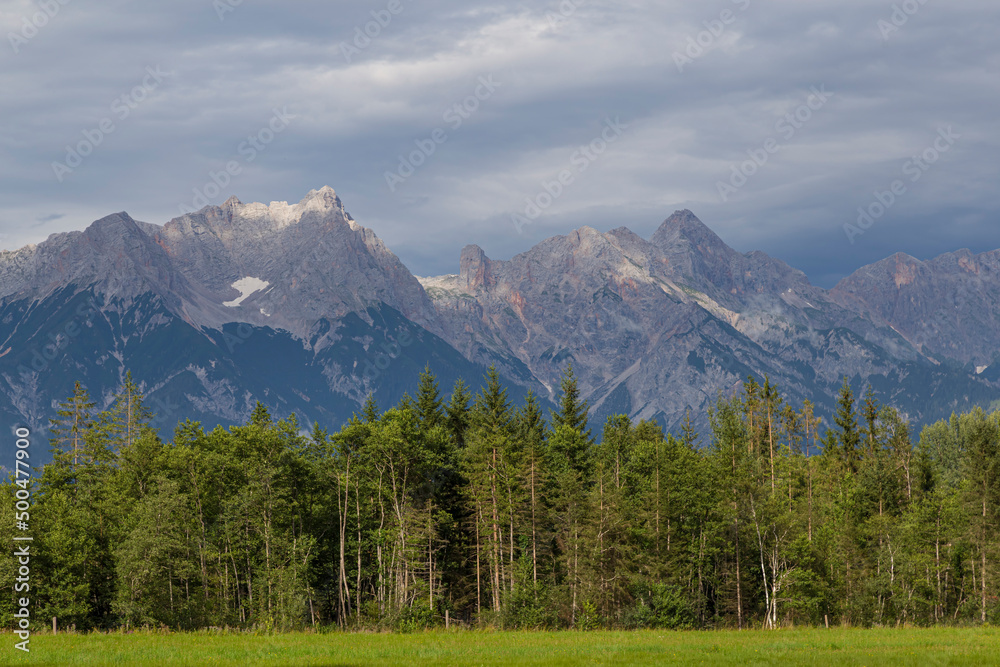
232,204
325,194
111,227
684,231
947,304
323,200
474,267
586,232
234,217
695,255
899,268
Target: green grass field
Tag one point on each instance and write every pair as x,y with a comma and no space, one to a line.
939,646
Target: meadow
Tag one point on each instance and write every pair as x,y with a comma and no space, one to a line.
837,646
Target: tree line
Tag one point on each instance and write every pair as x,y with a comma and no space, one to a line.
501,516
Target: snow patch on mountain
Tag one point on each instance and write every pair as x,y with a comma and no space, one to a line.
247,287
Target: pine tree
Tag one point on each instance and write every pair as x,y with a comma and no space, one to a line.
751,408
811,424
982,437
369,413
730,434
688,435
530,431
129,413
261,416
772,403
407,404
65,497
572,411
74,418
457,413
613,510
429,409
491,471
847,428
870,412
492,408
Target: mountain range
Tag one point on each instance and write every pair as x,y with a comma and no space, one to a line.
302,308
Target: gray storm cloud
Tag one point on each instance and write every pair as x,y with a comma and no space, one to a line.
145,105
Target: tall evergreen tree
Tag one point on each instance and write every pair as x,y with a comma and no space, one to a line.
74,418
530,431
848,436
369,413
870,412
572,411
982,436
772,404
457,413
490,468
429,404
688,435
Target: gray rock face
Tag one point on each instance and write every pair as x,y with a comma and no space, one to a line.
316,260
947,307
113,253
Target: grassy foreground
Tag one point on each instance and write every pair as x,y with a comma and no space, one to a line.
937,646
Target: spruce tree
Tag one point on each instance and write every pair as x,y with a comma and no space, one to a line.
530,428
407,404
751,410
429,402
982,470
457,413
489,467
260,416
688,435
369,413
492,409
847,427
572,411
772,404
74,418
129,414
870,412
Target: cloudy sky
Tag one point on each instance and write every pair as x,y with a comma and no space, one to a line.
641,106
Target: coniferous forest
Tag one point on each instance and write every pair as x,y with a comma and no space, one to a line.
502,516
